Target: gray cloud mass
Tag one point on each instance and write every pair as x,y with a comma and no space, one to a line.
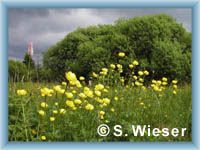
45,27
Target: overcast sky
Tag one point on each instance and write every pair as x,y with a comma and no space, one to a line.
45,27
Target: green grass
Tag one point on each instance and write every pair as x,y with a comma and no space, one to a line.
135,106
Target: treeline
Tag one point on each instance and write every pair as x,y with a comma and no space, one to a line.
158,42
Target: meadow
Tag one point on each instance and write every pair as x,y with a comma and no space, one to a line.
73,109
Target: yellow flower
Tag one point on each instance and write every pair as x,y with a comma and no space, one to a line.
94,75
119,66
164,83
175,86
56,103
69,95
101,113
138,83
112,110
62,111
70,103
174,81
41,112
106,100
135,77
46,92
77,101
116,98
81,78
146,73
135,62
89,107
58,89
52,119
153,81
43,138
174,92
64,83
44,105
82,95
141,103
88,92
55,112
164,79
99,87
140,73
34,132
112,66
131,66
158,82
104,69
141,80
121,54
98,93
21,92
70,76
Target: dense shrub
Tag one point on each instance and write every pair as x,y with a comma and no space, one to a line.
17,71
157,41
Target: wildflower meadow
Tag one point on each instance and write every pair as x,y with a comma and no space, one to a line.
134,72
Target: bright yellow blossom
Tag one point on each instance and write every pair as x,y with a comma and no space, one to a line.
89,107
81,78
44,105
52,119
41,112
135,62
112,66
43,138
21,92
121,54
69,95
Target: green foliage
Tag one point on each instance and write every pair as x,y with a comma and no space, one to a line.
17,71
89,49
28,61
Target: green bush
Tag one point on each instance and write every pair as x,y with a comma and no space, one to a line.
142,38
17,71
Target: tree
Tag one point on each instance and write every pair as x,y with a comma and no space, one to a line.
28,61
143,38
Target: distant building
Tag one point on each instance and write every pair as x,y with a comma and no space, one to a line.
30,49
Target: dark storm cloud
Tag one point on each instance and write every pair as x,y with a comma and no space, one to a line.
44,27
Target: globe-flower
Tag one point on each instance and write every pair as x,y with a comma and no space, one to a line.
164,79
52,119
81,78
130,66
112,66
82,95
70,76
140,73
98,93
21,92
46,92
43,138
43,104
121,54
174,81
89,107
135,62
41,112
62,111
99,87
58,89
69,95
77,101
94,75
70,103
146,73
